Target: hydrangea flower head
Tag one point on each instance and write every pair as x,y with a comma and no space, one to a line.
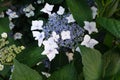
58,33
69,34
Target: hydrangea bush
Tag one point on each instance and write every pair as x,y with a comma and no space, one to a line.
61,40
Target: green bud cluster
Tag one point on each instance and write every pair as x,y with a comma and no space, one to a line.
8,53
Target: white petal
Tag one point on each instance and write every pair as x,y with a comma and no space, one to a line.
17,36
65,35
77,49
50,43
70,56
86,40
92,43
70,18
36,34
46,11
48,7
61,10
31,7
94,11
51,56
37,25
93,24
55,36
11,25
90,27
40,42
50,53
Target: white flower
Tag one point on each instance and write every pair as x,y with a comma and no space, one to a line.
11,14
77,49
40,39
50,48
39,36
70,56
61,10
17,36
65,35
4,35
31,13
90,27
46,74
94,11
50,53
47,8
50,43
11,25
88,42
29,8
55,36
37,25
70,18
2,15
1,67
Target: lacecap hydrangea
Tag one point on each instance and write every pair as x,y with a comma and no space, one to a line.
65,34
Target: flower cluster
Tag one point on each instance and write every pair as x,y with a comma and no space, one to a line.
59,31
8,53
69,33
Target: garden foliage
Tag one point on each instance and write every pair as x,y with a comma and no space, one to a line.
62,39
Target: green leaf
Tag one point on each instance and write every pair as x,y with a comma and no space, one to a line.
23,72
92,63
80,10
4,25
31,55
99,4
111,25
68,72
111,7
5,72
2,6
108,40
111,64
